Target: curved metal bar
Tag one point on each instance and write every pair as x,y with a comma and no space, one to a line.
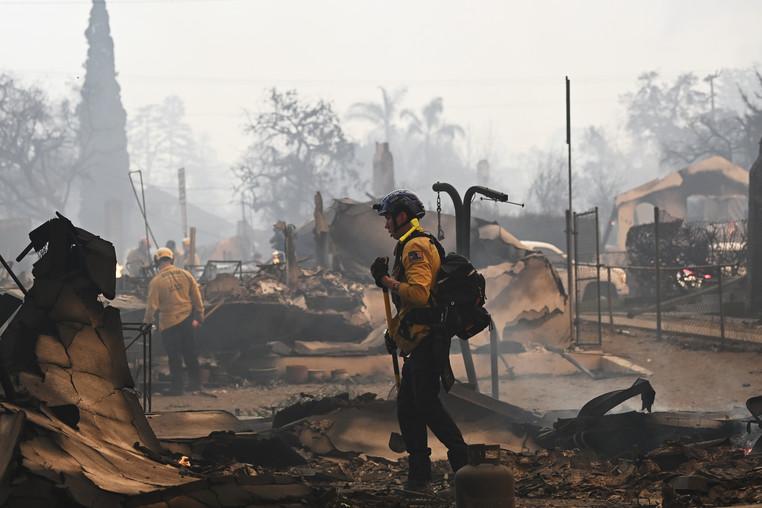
466,215
462,238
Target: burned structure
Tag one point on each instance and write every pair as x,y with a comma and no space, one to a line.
72,429
755,236
713,187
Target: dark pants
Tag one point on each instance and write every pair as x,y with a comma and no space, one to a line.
419,407
179,343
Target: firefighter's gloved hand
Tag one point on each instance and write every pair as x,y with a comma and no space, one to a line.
391,346
379,269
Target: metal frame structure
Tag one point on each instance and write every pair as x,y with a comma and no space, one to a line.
463,247
578,279
144,331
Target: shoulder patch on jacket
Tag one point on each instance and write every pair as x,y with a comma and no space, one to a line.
414,256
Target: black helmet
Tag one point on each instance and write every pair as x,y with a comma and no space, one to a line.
400,201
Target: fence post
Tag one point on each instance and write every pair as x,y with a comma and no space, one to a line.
598,277
608,297
569,275
150,368
577,321
722,311
657,262
494,352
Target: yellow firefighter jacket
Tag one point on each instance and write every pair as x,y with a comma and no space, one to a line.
175,294
420,263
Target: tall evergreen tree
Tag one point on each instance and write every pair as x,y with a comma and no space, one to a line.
106,196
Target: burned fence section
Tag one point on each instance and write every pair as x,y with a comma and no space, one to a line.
588,289
682,279
142,359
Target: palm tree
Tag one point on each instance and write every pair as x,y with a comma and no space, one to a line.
431,127
382,114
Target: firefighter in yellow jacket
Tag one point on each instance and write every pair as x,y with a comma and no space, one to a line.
424,346
176,295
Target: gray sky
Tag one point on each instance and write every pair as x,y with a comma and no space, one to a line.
499,65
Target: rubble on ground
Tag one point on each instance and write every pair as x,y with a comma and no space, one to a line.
72,431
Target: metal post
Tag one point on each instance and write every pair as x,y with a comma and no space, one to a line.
468,359
149,331
722,311
145,366
569,275
608,289
576,276
183,201
657,262
598,276
493,353
12,275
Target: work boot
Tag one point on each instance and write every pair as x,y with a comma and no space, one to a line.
419,471
457,459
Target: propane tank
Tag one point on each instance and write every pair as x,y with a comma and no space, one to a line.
484,482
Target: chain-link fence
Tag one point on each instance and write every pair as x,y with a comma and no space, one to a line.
680,278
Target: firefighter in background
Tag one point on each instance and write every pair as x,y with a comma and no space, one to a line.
138,261
425,348
171,245
175,294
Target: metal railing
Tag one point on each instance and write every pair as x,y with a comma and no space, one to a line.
142,331
665,292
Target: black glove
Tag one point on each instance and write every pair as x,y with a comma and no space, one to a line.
379,269
391,346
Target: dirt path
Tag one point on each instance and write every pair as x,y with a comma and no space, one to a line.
686,376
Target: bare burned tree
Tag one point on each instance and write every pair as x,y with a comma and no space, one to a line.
602,169
160,141
751,120
39,160
548,190
299,148
680,119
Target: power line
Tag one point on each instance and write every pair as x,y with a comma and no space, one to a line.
30,3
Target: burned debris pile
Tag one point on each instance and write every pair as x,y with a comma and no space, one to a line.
73,432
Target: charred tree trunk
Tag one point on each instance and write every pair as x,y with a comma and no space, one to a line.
383,170
321,233
755,235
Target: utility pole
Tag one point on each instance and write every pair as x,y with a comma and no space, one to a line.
569,213
710,79
183,201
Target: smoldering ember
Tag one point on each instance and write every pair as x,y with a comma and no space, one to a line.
450,254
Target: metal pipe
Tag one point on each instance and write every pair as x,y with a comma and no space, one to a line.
461,241
465,221
577,321
722,312
569,274
145,368
13,275
493,353
657,262
149,331
598,275
458,205
142,208
608,289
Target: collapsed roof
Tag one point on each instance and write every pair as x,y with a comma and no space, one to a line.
714,176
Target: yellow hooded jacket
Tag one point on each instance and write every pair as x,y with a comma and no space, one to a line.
420,263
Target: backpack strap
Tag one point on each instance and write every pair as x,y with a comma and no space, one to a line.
398,268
